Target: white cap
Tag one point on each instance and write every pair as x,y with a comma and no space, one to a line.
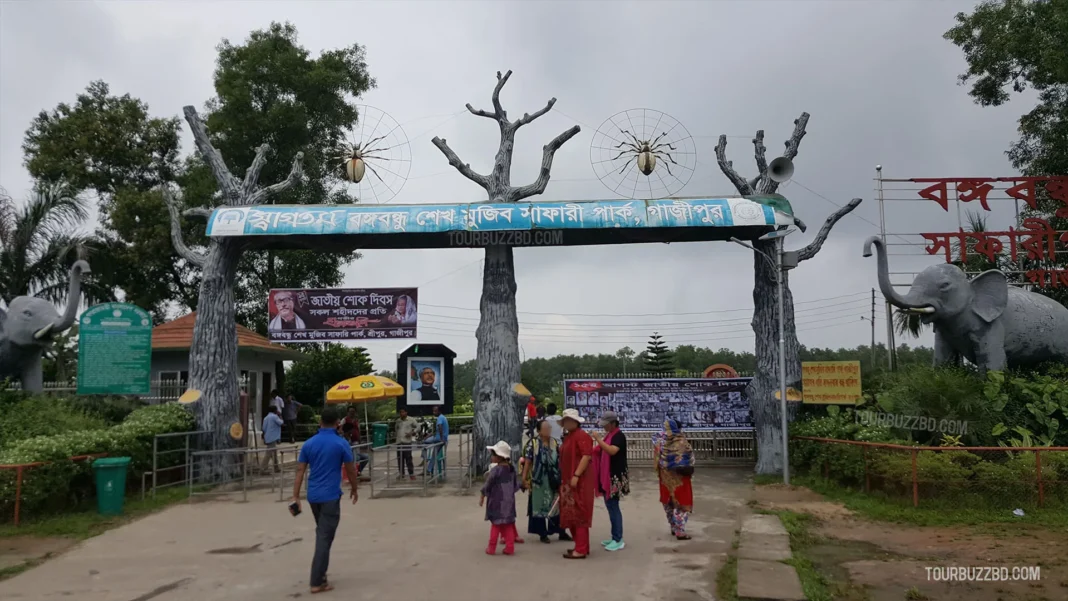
572,414
501,449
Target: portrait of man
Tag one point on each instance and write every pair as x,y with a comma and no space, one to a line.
425,381
285,302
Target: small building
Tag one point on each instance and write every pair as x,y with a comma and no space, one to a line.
259,361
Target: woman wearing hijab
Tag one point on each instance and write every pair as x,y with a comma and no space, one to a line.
674,468
405,313
577,483
541,477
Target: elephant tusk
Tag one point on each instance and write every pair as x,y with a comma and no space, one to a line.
921,310
43,332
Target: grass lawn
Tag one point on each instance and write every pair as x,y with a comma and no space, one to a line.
86,523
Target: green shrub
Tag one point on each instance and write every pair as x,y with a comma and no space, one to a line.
34,416
112,409
61,483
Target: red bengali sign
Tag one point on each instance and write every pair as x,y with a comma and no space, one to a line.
1036,239
969,189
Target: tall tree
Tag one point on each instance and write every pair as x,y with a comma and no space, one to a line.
213,353
270,89
111,145
324,367
1016,45
498,410
40,241
767,417
658,358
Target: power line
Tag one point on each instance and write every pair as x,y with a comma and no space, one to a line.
579,336
866,292
624,340
844,307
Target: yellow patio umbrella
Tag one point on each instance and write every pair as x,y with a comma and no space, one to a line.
363,389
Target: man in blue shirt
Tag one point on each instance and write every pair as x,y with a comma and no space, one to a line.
326,453
441,434
272,434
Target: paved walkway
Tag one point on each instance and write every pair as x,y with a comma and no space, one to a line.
393,548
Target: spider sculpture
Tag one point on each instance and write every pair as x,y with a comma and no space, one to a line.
354,158
646,152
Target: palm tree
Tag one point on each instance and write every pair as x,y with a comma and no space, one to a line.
909,324
39,242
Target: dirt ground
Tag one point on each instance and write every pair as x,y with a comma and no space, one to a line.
877,561
16,550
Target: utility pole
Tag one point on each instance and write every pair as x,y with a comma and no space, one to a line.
873,328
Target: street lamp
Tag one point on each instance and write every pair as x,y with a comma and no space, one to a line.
783,262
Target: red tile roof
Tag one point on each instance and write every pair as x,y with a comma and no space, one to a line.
178,335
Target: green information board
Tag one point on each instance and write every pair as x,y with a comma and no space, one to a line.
115,350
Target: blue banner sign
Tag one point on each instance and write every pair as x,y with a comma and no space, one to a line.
304,220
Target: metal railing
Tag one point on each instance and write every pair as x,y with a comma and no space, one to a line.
426,477
183,451
245,466
709,446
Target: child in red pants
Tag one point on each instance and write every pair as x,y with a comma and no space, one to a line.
500,488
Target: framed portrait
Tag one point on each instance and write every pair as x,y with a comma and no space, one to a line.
426,381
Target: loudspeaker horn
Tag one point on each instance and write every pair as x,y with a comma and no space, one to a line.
780,170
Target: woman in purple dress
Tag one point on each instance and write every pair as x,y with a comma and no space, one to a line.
501,485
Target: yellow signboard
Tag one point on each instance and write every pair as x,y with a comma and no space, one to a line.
831,382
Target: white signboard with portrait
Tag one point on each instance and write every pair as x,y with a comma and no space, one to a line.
426,381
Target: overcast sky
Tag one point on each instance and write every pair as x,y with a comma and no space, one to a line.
876,76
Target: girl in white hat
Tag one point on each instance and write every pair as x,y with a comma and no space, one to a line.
500,488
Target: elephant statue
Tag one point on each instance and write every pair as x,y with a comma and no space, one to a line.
27,328
984,320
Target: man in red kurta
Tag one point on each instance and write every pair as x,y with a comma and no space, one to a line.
577,483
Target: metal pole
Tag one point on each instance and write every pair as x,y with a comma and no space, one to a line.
882,235
188,469
155,449
782,364
873,328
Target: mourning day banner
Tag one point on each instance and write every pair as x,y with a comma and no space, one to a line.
697,403
324,314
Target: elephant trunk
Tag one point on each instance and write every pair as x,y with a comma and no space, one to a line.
74,297
887,289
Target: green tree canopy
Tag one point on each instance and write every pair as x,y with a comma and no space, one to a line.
544,375
1012,46
40,241
658,358
325,365
268,90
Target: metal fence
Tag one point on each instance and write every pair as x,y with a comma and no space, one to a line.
709,446
167,449
160,391
958,477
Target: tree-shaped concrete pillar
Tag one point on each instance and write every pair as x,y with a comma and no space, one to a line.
213,353
498,409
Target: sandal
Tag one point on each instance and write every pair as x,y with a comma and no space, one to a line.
321,589
571,555
683,537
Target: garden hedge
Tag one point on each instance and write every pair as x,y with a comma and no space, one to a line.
63,484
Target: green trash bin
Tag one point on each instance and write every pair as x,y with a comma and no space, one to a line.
110,473
380,436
